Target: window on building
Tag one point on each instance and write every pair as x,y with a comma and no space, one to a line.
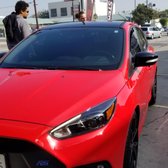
63,11
53,12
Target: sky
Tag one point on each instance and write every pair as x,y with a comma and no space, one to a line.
7,6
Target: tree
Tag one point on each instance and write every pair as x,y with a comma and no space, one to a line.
163,14
144,14
42,14
164,22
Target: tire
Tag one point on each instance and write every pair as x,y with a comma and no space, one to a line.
154,92
131,150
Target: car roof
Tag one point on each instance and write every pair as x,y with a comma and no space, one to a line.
113,24
148,26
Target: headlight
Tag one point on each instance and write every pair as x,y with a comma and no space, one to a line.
92,119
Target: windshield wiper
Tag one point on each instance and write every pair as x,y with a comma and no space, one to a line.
52,67
74,68
20,67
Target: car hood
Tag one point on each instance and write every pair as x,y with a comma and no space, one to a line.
50,97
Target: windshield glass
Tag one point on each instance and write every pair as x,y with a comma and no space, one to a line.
144,28
69,48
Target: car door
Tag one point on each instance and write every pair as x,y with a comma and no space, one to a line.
140,75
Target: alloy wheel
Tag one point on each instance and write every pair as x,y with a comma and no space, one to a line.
131,152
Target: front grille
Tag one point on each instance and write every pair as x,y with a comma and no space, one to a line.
22,154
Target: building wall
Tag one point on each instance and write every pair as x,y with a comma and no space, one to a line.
67,4
100,8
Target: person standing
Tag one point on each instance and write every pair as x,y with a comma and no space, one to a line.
16,25
81,16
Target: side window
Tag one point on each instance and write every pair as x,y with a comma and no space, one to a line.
154,29
142,40
135,47
134,42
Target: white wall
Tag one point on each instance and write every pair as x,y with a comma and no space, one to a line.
101,7
58,6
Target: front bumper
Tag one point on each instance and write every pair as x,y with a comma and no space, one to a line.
30,146
22,154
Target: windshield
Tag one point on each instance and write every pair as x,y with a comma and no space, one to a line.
69,48
144,28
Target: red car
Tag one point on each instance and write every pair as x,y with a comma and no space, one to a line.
76,95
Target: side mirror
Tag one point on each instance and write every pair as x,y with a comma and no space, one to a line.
145,59
2,53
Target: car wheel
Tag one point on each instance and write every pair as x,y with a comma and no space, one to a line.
131,150
154,92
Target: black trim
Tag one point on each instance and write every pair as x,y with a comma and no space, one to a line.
23,154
